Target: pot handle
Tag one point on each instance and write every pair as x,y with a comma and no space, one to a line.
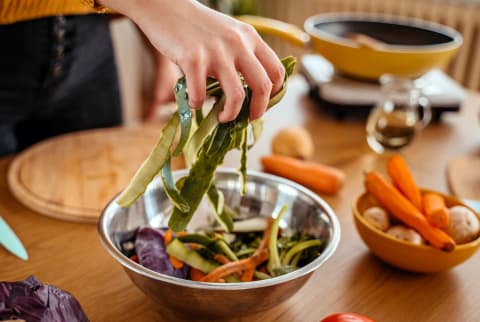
283,30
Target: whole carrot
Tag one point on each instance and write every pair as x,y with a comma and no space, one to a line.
403,179
435,210
399,206
318,177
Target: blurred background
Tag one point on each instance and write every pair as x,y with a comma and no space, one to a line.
463,15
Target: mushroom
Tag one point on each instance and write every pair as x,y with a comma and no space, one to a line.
464,225
406,234
377,217
293,142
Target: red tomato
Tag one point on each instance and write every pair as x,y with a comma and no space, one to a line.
346,317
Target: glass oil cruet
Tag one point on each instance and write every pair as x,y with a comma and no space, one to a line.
398,116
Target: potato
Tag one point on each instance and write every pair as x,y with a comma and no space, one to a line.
406,234
377,217
463,226
293,142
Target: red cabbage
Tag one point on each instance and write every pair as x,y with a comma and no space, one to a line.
32,301
151,253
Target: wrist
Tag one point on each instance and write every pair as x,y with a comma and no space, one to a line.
97,6
122,6
138,10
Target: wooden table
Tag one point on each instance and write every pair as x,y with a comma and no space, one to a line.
70,256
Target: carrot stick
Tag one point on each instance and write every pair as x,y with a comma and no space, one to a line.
244,265
435,210
196,274
221,259
167,238
247,275
316,176
181,233
176,263
237,266
399,206
266,235
403,179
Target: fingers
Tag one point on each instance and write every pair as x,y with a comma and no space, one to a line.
195,73
234,93
272,65
243,51
166,74
259,82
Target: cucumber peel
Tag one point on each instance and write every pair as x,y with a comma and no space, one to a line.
151,166
170,188
184,114
204,146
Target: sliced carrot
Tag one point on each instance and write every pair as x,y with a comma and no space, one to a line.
435,210
181,233
196,274
247,275
167,238
221,259
237,266
134,258
403,179
266,235
245,266
316,176
400,207
176,263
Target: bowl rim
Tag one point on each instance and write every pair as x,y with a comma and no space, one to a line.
456,42
309,268
358,216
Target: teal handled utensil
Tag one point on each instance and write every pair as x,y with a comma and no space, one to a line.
10,241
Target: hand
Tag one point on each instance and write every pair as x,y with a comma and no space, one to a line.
204,42
166,74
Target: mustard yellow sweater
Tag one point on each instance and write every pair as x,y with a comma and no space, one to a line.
18,10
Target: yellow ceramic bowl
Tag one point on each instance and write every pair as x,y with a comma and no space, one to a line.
402,46
404,255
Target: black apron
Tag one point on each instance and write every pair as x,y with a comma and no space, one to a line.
57,75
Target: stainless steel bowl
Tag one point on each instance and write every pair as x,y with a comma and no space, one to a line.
265,195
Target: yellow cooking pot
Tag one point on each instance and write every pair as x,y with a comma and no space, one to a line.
368,46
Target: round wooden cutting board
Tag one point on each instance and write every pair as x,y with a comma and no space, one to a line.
73,176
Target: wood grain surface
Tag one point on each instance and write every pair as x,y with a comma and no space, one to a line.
73,176
464,176
70,256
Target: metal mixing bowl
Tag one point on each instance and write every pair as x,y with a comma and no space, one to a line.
265,195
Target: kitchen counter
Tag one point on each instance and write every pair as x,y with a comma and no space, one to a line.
70,256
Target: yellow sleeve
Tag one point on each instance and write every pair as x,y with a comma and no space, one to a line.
18,10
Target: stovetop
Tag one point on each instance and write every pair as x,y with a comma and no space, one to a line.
346,97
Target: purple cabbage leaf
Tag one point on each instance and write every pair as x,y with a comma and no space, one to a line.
32,301
152,254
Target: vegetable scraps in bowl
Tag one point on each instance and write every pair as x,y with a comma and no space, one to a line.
244,255
204,142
